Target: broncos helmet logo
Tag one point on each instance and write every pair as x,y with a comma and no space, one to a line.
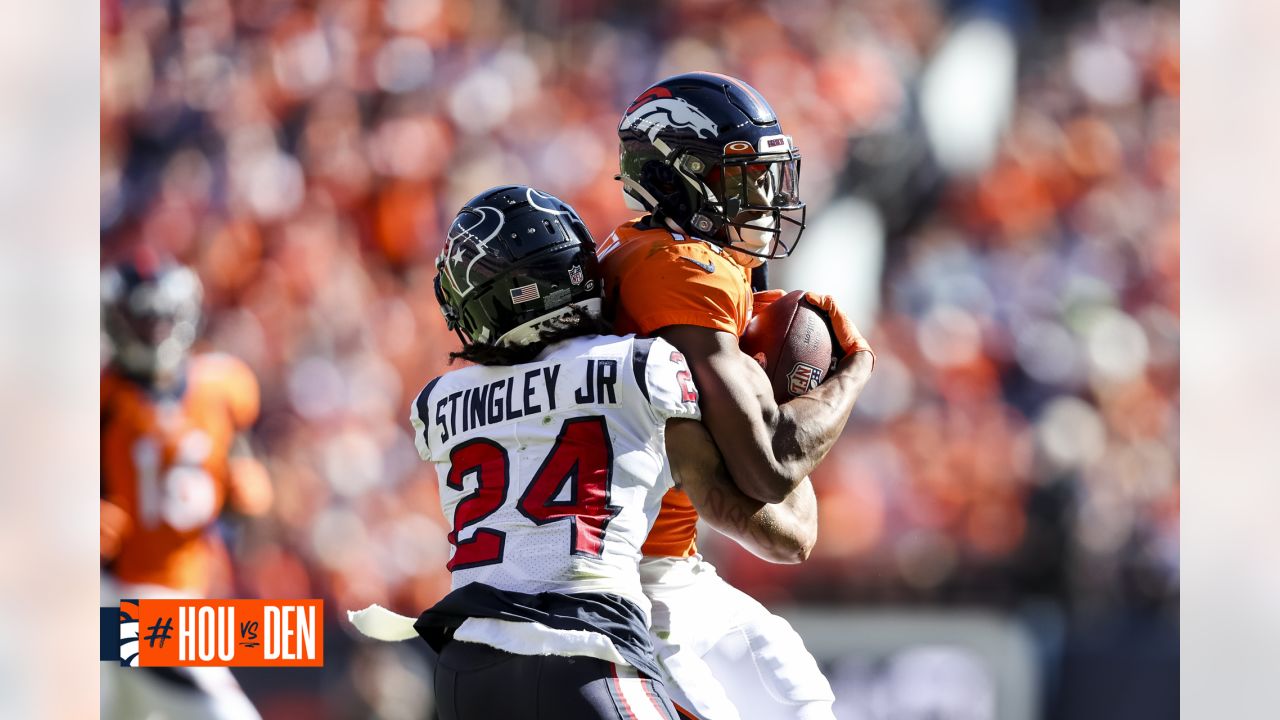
656,114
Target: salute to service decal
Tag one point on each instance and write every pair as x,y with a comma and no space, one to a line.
203,633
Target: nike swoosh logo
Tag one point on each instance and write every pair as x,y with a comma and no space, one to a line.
708,266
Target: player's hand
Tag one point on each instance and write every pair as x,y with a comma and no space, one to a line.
113,525
249,490
848,338
763,299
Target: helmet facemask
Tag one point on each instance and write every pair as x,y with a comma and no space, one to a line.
740,199
754,203
450,313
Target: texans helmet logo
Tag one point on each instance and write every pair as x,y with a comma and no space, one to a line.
656,114
548,204
467,242
803,378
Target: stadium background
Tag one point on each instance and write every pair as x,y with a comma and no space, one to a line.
993,190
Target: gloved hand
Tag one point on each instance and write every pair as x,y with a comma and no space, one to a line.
249,490
848,338
113,525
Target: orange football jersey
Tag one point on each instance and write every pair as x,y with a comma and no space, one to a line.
165,463
654,278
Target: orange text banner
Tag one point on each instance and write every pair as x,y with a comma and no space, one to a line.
238,633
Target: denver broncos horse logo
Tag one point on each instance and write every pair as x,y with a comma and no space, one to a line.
656,111
129,633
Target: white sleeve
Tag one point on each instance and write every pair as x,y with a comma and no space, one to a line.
665,380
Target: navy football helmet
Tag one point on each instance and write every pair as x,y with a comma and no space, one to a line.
150,313
517,262
706,152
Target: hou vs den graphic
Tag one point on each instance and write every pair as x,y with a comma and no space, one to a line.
194,633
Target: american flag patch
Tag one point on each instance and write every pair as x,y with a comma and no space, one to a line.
525,293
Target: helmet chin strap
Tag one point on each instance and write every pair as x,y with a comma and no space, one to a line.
636,197
632,203
641,200
673,226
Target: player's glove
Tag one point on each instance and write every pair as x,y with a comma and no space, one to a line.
113,525
249,490
848,338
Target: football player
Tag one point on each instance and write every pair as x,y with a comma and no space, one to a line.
706,158
173,457
550,454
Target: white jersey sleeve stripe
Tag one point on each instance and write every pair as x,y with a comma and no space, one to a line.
640,364
419,415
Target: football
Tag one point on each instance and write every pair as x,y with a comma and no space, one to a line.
791,341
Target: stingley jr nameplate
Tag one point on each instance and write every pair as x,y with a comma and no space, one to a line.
204,633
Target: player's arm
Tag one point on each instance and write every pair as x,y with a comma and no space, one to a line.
783,532
114,525
769,448
249,489
114,522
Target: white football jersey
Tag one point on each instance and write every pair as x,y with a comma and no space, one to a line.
552,472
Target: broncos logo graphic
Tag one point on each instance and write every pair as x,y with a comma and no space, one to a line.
129,633
662,113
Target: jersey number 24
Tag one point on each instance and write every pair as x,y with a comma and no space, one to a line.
581,458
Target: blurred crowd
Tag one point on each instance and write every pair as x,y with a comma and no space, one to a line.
1019,438
1020,435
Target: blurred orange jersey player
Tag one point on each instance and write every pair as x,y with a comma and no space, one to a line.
172,459
166,466
172,456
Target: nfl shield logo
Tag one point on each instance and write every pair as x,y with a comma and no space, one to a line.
803,378
575,274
